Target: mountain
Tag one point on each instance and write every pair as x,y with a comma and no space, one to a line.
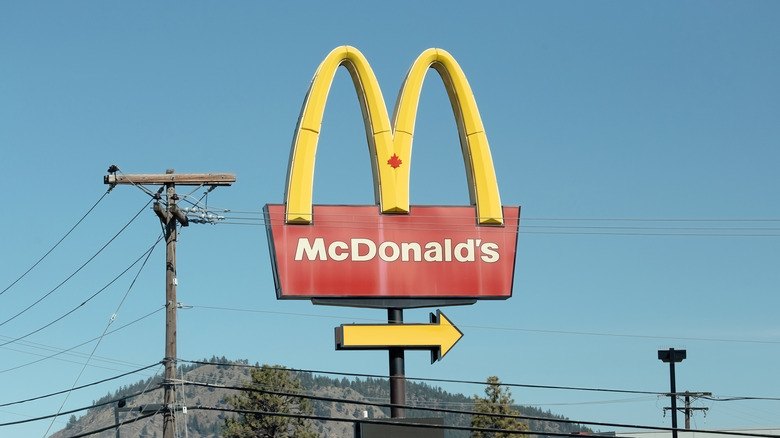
211,374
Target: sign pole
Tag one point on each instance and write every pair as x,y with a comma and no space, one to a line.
397,371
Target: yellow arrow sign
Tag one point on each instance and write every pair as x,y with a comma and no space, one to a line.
439,336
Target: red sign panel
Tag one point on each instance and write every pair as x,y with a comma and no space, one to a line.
353,251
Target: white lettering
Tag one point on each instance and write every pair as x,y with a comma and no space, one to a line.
490,252
338,256
433,252
393,255
370,250
363,250
312,252
468,246
414,248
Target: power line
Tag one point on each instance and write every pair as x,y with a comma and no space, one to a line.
73,411
738,398
428,379
103,429
391,405
468,382
56,244
59,352
661,219
385,422
259,215
608,227
464,428
40,397
618,335
113,317
145,254
356,402
454,411
564,332
77,270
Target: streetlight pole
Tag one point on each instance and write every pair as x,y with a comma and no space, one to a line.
671,355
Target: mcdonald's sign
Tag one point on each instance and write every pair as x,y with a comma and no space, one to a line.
392,250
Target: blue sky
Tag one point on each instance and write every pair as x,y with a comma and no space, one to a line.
640,139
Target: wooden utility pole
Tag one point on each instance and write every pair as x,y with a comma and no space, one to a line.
170,216
688,410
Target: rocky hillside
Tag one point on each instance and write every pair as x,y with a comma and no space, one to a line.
206,423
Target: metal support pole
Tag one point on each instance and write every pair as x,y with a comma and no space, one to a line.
674,397
397,371
671,355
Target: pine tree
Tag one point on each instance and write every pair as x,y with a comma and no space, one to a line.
253,398
497,400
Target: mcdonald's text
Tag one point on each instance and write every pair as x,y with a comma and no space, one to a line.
363,250
430,252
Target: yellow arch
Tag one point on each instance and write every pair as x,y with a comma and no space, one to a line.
391,182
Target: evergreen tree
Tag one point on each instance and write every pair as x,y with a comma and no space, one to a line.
253,398
497,400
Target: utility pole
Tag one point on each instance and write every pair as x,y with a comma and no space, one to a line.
170,216
688,409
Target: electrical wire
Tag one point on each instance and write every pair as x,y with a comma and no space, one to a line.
103,429
375,421
138,186
59,352
143,391
389,422
736,398
146,254
260,216
184,403
113,317
428,379
450,411
87,385
259,219
56,244
618,335
379,404
77,270
73,411
563,332
468,382
608,228
464,428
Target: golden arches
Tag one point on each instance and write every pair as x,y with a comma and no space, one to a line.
391,180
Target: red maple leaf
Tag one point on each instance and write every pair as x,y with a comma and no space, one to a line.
394,161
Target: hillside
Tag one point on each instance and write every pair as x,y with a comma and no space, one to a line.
206,424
